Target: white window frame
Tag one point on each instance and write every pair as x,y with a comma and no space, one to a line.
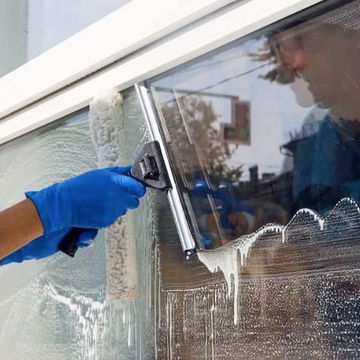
153,36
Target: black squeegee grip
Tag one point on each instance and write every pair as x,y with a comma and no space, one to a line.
68,244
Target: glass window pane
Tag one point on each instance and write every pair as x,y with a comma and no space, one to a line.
261,128
57,307
43,302
257,131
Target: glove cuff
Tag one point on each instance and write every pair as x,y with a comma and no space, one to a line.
51,208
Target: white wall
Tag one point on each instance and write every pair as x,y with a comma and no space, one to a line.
13,24
52,21
30,27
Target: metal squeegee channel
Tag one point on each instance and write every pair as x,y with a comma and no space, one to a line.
199,39
186,238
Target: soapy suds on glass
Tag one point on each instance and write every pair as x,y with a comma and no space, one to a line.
105,127
231,257
118,133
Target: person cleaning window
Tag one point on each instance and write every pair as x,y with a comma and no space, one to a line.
33,228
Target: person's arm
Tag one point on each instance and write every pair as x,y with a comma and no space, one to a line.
19,225
34,228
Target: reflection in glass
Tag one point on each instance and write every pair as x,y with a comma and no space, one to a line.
256,131
266,126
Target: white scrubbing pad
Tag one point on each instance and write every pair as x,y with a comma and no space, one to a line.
106,122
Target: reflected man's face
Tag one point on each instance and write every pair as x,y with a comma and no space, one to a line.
324,57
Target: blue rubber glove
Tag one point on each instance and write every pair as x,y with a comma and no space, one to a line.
92,200
89,201
45,246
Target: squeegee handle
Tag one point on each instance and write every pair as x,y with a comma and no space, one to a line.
68,244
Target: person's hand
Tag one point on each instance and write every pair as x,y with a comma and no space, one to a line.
88,202
92,200
45,246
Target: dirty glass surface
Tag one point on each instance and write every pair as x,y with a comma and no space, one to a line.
263,137
50,307
57,308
